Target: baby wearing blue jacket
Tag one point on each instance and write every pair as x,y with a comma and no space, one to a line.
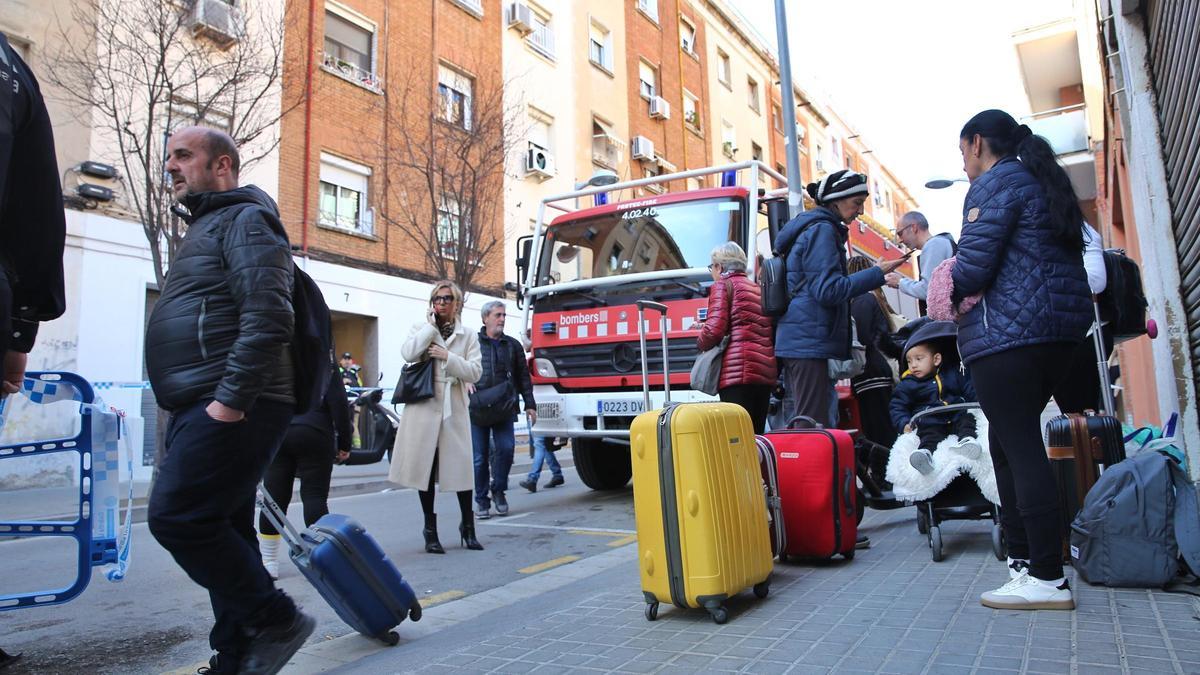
925,385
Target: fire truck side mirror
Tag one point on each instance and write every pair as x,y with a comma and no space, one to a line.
524,250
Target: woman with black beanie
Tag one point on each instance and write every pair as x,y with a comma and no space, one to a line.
1022,248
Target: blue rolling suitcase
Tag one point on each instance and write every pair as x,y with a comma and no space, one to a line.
351,572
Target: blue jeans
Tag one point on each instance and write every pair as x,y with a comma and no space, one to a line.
493,447
541,453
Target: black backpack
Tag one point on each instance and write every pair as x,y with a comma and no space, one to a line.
312,342
772,281
1123,302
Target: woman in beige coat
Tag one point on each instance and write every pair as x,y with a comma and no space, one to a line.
433,443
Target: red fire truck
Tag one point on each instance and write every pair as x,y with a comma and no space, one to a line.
585,269
583,272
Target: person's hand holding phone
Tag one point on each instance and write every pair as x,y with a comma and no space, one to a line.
889,266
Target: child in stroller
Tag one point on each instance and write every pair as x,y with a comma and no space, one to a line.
934,378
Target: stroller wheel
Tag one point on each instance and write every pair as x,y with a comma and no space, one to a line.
922,520
860,506
999,546
935,543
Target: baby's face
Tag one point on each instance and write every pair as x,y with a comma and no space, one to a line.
923,361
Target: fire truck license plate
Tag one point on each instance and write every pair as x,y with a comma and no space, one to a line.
629,407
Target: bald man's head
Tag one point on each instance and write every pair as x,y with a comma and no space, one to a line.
202,159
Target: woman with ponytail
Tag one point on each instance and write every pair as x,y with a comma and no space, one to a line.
1022,249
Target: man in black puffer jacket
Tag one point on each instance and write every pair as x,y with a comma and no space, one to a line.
217,352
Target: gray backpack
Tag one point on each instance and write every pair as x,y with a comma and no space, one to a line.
1136,522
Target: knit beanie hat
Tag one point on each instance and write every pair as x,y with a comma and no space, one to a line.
838,185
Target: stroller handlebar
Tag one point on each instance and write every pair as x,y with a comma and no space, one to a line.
953,407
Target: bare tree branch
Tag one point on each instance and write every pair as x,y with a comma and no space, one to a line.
148,73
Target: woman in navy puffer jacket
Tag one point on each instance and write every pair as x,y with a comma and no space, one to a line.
1022,248
748,370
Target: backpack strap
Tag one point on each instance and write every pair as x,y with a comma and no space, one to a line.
1187,517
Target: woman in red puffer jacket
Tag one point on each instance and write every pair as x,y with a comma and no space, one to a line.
748,371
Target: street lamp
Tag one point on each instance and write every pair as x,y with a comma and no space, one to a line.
599,179
942,183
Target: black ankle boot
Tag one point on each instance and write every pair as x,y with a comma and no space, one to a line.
468,537
432,545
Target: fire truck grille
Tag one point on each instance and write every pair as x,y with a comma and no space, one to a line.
619,358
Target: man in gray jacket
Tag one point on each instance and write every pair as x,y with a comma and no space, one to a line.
913,231
218,356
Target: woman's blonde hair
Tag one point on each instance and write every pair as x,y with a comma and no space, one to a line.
454,290
730,257
859,263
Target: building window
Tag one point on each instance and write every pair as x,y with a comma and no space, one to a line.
185,113
606,147
647,87
724,75
777,118
343,196
454,90
649,8
600,48
756,152
349,48
542,37
450,224
728,139
472,6
691,110
687,37
820,159
752,93
693,184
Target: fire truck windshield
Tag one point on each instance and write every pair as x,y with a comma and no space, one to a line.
642,238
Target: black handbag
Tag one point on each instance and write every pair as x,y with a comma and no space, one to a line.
416,383
497,403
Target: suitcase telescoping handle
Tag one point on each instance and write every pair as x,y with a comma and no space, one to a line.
1110,407
642,306
280,520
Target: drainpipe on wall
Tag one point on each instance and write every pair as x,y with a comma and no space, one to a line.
308,91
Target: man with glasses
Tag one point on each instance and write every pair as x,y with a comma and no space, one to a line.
913,232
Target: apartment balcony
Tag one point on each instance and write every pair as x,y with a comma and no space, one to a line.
1067,132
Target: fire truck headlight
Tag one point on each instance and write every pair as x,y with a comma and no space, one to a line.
544,368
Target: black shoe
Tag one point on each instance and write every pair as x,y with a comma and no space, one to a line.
214,666
555,481
432,545
501,503
529,485
467,533
272,647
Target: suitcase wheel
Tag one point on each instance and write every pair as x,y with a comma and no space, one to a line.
848,555
761,590
390,638
935,542
652,611
719,614
414,614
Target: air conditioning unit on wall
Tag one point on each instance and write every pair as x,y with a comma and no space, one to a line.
539,162
520,16
659,108
643,148
218,20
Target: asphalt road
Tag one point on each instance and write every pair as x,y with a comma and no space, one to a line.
157,620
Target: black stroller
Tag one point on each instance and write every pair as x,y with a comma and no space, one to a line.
961,499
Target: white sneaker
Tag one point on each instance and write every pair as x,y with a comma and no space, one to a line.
967,447
1029,592
1017,567
921,460
269,545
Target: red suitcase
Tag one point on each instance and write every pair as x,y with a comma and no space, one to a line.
816,488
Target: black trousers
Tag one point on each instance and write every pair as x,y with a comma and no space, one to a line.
1014,387
808,391
755,398
935,430
202,511
307,454
1080,388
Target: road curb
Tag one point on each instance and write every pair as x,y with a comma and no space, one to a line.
348,649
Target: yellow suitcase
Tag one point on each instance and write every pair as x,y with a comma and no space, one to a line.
699,505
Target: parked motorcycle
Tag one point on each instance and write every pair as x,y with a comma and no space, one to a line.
377,424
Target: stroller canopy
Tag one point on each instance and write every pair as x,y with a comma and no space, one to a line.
943,335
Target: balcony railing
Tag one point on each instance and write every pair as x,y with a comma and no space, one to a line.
1065,128
352,72
542,40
